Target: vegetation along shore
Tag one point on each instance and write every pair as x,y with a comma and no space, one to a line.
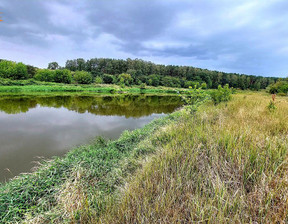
222,158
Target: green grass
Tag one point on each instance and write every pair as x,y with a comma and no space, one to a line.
226,164
38,87
223,164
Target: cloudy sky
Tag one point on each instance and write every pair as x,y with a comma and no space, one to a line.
243,36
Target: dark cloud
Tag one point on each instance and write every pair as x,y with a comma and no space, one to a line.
237,36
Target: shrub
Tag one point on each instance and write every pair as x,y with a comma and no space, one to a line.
82,77
192,84
125,79
170,81
194,99
45,75
108,79
98,80
221,94
12,70
63,76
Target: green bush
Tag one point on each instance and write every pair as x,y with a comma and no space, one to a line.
12,70
98,80
108,79
192,84
125,79
63,76
45,75
279,87
82,77
221,94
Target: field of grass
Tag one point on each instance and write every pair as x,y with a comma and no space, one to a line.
225,164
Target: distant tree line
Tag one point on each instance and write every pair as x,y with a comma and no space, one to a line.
131,72
137,71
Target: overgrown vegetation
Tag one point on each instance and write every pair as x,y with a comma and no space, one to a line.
223,164
131,72
280,87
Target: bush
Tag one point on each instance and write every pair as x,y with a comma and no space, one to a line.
12,70
45,75
171,81
221,94
192,84
125,79
108,79
82,77
279,87
63,76
98,80
194,99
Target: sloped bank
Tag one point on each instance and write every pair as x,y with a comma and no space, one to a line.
78,185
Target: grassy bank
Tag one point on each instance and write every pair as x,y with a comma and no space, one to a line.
79,185
97,88
224,164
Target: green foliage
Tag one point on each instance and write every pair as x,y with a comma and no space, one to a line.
45,75
98,80
83,77
156,74
221,94
108,79
31,71
63,76
125,79
142,86
53,65
271,106
171,81
12,70
194,99
192,84
279,87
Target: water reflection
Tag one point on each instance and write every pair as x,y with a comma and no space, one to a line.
123,105
48,126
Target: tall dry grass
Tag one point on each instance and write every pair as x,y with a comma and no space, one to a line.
226,164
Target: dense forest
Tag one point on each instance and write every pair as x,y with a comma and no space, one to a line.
169,75
131,72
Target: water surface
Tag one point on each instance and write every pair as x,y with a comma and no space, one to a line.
46,126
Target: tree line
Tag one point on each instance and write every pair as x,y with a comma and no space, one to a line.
131,72
138,71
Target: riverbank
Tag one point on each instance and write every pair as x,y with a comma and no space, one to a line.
226,163
95,88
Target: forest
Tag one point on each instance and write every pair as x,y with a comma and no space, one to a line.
131,72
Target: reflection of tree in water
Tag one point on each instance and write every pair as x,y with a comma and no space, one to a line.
16,106
122,105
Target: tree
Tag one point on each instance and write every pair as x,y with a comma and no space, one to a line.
125,78
21,71
53,65
63,76
45,75
13,70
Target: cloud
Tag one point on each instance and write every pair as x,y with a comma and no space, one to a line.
235,36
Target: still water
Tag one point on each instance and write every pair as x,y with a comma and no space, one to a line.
33,127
